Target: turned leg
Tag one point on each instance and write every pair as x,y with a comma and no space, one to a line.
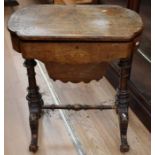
35,103
116,100
123,102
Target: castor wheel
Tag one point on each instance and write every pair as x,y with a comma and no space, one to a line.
33,148
124,148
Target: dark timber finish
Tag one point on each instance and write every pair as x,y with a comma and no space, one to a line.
76,43
78,107
123,102
35,103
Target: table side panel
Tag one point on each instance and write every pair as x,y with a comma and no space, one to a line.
76,53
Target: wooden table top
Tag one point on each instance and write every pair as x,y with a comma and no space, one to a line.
75,22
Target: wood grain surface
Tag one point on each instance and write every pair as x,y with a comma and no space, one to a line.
96,135
76,53
76,22
78,38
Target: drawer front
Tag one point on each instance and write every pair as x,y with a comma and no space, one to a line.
76,53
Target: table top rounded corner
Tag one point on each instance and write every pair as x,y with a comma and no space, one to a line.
75,22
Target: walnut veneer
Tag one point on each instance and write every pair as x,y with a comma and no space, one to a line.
76,43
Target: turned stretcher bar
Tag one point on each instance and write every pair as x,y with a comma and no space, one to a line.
77,107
